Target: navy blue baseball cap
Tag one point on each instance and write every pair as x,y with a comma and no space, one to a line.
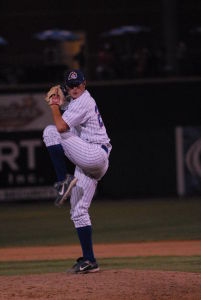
74,78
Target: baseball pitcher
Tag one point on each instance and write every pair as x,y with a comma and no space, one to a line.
80,135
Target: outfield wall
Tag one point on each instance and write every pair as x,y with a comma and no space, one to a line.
141,118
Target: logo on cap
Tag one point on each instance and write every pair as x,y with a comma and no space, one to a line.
72,75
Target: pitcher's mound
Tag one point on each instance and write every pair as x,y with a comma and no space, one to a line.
111,284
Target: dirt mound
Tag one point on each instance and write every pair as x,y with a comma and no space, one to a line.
110,284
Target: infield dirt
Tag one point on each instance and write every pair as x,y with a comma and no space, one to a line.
108,284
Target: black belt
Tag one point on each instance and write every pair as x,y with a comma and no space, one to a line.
105,148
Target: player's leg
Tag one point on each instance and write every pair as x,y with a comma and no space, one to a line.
89,157
52,141
81,198
65,181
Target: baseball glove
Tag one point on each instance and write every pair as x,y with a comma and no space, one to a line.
55,96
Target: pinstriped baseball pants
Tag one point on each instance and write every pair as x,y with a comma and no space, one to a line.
91,163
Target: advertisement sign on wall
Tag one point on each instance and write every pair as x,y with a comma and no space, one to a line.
25,170
188,153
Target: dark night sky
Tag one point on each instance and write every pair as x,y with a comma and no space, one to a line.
73,15
20,18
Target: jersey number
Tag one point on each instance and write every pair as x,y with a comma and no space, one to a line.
100,121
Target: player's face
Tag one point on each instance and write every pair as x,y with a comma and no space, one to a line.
76,91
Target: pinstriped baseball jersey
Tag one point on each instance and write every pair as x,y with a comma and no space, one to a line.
82,144
82,114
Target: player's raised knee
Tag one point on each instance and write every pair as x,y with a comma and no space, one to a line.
51,135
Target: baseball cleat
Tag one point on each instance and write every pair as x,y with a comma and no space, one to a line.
64,189
88,267
84,266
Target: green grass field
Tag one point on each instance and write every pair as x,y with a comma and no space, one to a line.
168,263
29,224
